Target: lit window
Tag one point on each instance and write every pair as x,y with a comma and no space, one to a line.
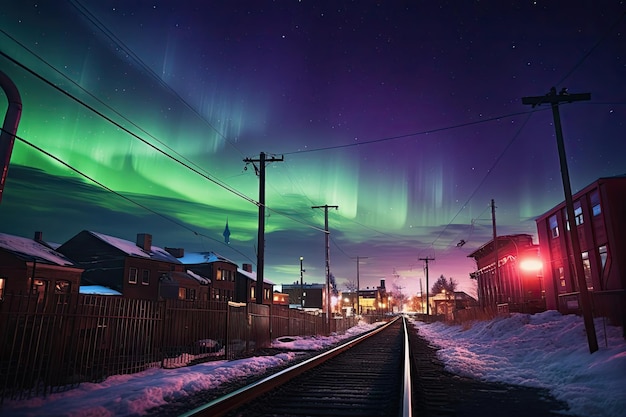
219,274
252,293
132,275
2,284
587,269
562,276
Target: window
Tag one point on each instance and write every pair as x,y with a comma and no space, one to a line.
145,277
603,256
219,275
595,203
188,294
132,275
62,286
2,284
554,226
578,213
562,276
252,293
587,269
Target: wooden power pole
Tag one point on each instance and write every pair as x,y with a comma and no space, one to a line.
555,99
426,259
260,171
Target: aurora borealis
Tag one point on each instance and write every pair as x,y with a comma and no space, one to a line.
406,115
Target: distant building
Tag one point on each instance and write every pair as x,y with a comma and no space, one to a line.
600,218
374,300
308,296
518,281
447,304
31,266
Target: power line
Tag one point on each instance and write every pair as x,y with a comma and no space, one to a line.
130,200
156,148
424,132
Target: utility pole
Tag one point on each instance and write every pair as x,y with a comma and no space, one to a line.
326,235
585,299
495,251
426,259
260,171
358,286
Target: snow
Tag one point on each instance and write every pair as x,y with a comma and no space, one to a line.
97,290
33,249
131,248
543,350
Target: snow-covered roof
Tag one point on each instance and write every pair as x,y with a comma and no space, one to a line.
194,258
130,248
97,290
198,278
252,276
33,250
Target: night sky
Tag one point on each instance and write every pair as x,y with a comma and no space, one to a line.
408,116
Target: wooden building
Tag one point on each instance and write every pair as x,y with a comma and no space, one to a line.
221,272
518,280
600,221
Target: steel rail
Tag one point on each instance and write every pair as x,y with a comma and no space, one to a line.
221,406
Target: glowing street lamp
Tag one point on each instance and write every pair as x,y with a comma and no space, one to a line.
531,264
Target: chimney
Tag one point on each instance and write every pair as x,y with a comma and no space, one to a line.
247,267
175,252
144,241
382,284
38,236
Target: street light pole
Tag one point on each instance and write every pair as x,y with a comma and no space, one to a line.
301,285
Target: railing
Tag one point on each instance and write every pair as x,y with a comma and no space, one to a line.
54,344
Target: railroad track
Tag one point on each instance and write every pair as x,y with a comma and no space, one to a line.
368,376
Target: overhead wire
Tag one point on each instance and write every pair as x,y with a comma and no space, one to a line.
151,145
128,199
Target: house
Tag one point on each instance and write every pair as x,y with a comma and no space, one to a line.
600,223
448,303
31,266
135,269
517,282
220,271
247,286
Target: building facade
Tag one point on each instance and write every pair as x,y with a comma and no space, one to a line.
600,222
516,280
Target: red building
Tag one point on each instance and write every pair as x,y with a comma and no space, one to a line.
517,282
135,269
30,266
600,217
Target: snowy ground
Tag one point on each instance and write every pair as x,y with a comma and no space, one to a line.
545,350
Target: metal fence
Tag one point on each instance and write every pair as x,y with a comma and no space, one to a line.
53,344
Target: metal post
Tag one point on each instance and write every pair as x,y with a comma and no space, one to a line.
9,127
